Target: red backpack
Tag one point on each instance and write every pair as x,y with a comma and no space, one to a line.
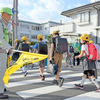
92,52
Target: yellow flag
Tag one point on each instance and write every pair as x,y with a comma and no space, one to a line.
24,59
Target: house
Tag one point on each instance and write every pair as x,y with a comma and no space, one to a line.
85,19
32,29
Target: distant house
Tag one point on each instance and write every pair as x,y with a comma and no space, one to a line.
85,19
32,29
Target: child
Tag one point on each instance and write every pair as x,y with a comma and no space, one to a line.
41,63
89,67
24,47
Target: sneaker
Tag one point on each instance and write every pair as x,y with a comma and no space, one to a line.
71,66
79,86
5,89
97,89
26,74
55,82
61,81
43,78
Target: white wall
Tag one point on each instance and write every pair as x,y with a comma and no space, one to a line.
75,28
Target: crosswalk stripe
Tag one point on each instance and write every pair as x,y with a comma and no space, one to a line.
35,74
29,71
20,83
49,89
86,96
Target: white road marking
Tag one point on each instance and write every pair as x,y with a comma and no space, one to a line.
48,89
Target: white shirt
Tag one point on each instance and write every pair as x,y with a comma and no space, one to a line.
84,47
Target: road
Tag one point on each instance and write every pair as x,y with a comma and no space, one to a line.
32,88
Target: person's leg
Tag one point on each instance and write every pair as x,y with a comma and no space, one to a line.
74,59
60,79
93,79
83,80
3,62
67,61
55,81
41,69
78,60
23,69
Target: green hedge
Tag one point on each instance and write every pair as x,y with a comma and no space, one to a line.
34,42
49,38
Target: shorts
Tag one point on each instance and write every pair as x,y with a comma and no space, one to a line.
58,60
89,72
42,63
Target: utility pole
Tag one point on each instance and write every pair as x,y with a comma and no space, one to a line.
15,21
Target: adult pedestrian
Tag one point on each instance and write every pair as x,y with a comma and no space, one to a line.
4,46
77,49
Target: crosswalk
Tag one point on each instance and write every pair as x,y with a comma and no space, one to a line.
31,86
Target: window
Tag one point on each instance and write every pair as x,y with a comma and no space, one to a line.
24,26
34,36
33,28
84,17
36,28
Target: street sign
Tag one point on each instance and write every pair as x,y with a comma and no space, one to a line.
13,11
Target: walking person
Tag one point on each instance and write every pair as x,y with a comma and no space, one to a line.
77,49
41,50
69,56
57,57
89,66
4,46
24,47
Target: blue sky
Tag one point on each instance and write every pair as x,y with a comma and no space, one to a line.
44,10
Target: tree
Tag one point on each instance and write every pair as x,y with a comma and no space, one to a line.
49,39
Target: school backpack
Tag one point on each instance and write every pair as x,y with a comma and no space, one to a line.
42,48
24,47
71,49
98,51
61,45
92,51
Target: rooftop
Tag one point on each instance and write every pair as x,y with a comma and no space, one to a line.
68,13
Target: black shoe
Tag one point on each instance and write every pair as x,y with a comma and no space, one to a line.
61,81
79,86
5,89
55,82
25,73
2,96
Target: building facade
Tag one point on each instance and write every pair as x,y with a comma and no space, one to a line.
85,19
31,29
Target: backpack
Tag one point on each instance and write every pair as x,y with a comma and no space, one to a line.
24,47
77,47
61,45
42,48
71,49
92,50
98,51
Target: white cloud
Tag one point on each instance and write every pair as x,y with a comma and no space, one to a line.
46,9
93,1
25,2
6,3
